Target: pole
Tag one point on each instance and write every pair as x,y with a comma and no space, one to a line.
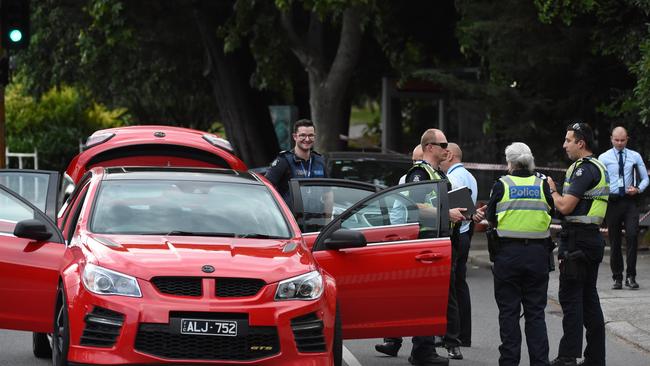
3,144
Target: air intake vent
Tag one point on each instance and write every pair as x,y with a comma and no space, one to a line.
179,286
161,341
308,332
102,328
238,287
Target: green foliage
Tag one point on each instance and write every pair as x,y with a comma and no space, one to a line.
55,123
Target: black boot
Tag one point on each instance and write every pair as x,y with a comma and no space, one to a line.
454,353
630,282
388,348
431,360
618,284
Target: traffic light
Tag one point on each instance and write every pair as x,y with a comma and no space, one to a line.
14,24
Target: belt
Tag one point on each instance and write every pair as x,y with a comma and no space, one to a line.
521,242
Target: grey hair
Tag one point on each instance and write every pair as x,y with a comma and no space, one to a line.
519,156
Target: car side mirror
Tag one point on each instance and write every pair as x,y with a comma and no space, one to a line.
32,229
345,238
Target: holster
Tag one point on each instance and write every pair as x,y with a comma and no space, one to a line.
493,242
573,262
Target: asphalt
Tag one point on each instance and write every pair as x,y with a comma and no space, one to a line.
627,312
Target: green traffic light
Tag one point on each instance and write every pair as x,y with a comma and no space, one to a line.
15,35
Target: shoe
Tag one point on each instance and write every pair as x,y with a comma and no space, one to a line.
433,360
631,283
454,353
388,348
564,361
618,284
586,362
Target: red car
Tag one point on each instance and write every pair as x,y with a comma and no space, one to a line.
154,265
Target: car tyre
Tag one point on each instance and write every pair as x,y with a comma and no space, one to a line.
41,345
337,343
61,333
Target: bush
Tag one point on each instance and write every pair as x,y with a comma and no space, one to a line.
55,123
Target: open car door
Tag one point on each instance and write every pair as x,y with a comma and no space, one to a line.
31,248
390,255
39,187
316,201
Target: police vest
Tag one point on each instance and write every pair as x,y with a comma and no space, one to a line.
433,174
523,211
312,168
598,195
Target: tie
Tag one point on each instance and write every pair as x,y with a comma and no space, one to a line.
621,173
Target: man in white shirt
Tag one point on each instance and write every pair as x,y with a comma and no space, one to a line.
416,156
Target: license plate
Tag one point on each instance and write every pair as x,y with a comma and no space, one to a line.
225,328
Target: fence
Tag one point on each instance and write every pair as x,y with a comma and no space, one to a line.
20,157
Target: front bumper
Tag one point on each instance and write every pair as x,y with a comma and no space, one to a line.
149,332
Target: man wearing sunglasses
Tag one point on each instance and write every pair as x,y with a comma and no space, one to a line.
434,150
583,204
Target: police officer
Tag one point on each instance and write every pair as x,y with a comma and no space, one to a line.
423,353
583,204
519,208
300,162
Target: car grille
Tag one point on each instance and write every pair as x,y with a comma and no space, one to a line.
238,287
180,286
102,328
193,286
161,341
308,333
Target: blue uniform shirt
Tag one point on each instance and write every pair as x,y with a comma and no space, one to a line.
610,159
288,165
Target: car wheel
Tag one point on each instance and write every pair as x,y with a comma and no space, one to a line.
41,345
337,344
61,334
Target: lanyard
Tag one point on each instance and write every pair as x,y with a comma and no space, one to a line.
308,172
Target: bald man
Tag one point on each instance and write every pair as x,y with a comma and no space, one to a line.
416,156
459,176
623,165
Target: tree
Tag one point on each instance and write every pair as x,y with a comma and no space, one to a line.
144,56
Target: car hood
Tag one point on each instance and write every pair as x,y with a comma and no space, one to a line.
150,256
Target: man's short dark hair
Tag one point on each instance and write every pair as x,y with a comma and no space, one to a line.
582,132
302,123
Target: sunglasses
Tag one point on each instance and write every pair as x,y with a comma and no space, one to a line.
441,144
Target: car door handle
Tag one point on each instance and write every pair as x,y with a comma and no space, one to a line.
392,237
428,257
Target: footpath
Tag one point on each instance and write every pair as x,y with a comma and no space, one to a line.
627,312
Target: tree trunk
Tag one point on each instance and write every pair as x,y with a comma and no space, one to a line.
328,87
244,114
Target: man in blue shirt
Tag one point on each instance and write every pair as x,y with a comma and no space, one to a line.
623,165
459,177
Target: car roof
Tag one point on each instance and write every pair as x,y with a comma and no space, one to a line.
358,155
179,173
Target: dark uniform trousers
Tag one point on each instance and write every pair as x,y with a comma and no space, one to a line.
521,278
462,290
580,302
622,210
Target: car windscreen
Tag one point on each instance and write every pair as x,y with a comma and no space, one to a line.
191,208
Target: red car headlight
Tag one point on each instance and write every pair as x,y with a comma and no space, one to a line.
104,281
304,287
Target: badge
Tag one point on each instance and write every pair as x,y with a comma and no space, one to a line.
579,172
416,178
275,162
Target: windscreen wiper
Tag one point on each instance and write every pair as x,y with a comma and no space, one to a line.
259,236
